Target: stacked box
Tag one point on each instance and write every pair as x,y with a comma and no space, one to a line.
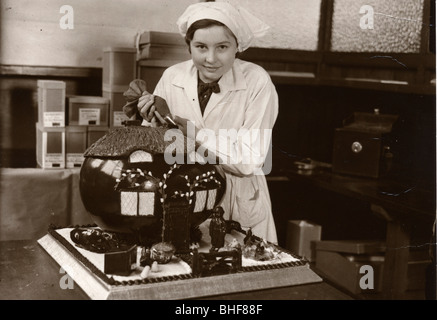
151,71
350,263
116,103
51,103
75,145
342,262
67,125
88,111
300,237
156,52
50,147
162,46
94,134
119,69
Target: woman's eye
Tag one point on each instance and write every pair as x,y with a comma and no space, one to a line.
201,47
223,47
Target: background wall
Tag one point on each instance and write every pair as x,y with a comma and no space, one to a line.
30,31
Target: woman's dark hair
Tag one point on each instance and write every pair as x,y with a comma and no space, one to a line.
203,24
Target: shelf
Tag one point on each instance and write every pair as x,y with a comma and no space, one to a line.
391,72
380,85
22,70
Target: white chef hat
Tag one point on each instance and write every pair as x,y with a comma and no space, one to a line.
243,24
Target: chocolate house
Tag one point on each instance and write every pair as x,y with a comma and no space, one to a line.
129,185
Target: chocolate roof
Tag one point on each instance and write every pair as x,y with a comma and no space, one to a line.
121,141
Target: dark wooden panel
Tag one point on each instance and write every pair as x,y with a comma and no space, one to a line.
308,116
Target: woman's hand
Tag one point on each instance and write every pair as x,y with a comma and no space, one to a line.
146,107
148,111
187,127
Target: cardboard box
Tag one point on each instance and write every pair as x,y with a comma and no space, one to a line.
345,270
51,103
341,263
300,234
75,145
50,147
351,246
119,67
94,134
161,38
151,71
88,111
162,46
350,264
116,103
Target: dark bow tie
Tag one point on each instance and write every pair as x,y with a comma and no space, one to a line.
214,87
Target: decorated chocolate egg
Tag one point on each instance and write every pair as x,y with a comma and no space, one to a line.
134,174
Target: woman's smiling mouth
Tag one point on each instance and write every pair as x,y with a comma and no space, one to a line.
211,69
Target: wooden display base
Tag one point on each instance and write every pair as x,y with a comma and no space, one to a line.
183,287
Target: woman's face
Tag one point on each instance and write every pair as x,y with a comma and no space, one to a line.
213,52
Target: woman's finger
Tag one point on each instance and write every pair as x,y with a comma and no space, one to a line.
144,111
151,113
144,100
160,118
154,122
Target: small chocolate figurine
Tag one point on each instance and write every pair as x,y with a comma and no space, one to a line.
94,239
217,229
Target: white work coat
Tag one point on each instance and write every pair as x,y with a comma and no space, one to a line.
248,103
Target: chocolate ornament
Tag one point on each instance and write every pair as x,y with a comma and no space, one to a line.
217,229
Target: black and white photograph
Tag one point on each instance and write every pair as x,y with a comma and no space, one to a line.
222,155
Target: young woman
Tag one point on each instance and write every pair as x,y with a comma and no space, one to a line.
234,99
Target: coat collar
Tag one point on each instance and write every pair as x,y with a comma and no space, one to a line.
187,79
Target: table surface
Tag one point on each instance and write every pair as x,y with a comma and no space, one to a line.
407,199
408,207
27,272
